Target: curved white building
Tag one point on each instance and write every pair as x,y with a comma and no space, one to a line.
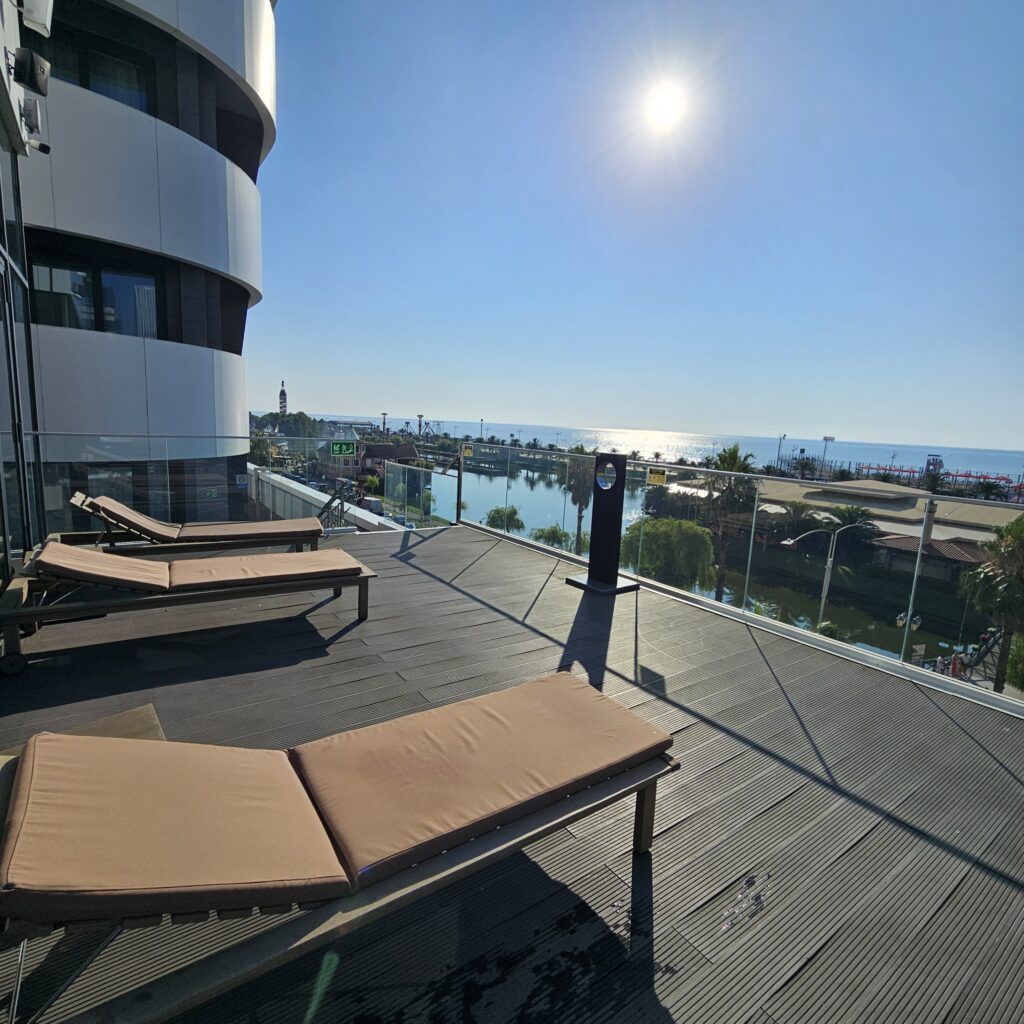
142,228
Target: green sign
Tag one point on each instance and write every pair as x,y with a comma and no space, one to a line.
343,447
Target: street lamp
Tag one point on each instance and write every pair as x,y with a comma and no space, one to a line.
826,439
791,543
778,454
384,423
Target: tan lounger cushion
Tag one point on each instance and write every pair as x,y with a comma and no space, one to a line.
396,793
271,529
138,523
71,562
239,570
102,828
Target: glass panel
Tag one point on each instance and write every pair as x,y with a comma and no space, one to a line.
820,562
118,79
12,208
129,303
63,296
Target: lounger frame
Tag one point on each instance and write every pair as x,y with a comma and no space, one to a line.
20,607
114,533
204,979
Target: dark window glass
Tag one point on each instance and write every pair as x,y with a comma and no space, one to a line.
12,209
63,58
63,296
118,79
129,303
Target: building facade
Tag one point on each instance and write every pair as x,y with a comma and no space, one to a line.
142,228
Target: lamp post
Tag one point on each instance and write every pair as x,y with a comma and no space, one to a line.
778,454
828,563
384,424
826,439
481,429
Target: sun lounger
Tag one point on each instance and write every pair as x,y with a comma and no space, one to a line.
120,584
126,831
118,517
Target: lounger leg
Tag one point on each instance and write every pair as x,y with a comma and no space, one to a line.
12,638
314,545
12,1012
364,600
643,822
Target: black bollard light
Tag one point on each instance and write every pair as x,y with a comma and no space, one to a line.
603,576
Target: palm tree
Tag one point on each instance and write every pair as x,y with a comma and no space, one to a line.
931,480
850,515
533,444
634,455
990,490
803,466
656,457
579,485
997,587
728,495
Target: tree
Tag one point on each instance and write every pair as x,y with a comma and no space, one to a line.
656,457
371,485
534,444
804,466
931,480
672,551
634,455
259,450
990,490
997,588
727,496
841,473
579,486
555,537
850,515
506,518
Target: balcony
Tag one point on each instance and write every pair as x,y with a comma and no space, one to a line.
841,841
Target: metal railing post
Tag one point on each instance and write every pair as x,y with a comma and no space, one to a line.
931,507
750,549
458,493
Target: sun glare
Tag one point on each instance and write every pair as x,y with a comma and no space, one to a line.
665,105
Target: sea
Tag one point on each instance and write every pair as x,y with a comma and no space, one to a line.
675,444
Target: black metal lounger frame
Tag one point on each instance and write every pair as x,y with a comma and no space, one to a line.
211,976
114,533
19,607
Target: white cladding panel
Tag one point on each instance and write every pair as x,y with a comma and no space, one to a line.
237,35
90,382
108,163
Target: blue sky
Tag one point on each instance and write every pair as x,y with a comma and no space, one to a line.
465,215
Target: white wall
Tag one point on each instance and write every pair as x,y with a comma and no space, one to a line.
118,174
90,382
236,35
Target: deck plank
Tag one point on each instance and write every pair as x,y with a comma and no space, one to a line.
839,844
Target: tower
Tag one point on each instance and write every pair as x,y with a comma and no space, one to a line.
282,400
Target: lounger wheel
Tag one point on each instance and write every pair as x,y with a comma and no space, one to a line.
13,664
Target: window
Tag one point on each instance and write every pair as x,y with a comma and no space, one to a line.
93,297
12,208
63,296
118,79
129,303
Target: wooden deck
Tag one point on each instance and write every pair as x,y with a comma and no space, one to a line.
840,844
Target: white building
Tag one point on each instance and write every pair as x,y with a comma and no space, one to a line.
142,227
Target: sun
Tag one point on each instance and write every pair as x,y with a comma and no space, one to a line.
664,107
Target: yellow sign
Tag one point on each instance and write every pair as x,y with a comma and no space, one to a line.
657,477
467,451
